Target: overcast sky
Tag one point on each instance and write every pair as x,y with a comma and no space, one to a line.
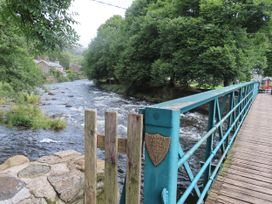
92,14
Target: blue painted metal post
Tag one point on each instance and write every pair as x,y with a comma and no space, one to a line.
161,181
239,108
209,143
231,117
256,89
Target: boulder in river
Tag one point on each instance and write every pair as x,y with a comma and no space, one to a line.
50,93
57,115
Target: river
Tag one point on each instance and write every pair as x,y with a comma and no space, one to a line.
68,100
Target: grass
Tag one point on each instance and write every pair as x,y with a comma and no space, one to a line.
2,100
28,98
24,111
30,116
57,124
2,116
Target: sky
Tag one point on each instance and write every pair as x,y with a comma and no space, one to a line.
92,14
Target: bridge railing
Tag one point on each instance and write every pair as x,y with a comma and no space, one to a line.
164,155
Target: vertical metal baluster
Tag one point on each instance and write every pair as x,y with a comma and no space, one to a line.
209,143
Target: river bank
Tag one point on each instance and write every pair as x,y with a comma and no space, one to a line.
152,95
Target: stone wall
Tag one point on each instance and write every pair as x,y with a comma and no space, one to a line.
54,179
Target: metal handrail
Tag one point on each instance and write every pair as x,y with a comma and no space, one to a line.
205,165
163,120
188,103
190,152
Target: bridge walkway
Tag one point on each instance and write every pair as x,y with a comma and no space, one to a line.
246,176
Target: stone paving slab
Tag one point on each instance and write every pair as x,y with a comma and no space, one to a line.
57,179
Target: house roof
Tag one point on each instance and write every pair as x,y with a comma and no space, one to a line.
49,63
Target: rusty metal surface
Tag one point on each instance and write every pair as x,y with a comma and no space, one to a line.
157,147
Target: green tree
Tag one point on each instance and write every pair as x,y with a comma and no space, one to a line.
45,24
17,67
27,27
103,52
183,41
64,59
268,69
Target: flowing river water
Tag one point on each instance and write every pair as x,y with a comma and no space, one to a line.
68,100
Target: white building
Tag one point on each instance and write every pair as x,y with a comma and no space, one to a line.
46,66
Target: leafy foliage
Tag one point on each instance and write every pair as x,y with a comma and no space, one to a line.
104,50
28,27
268,69
28,98
16,64
29,116
72,75
47,24
181,42
6,90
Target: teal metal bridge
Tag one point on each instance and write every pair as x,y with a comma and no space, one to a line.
164,155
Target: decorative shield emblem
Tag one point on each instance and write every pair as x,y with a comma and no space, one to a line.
157,147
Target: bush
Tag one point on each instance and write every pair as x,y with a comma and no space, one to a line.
6,90
58,75
57,124
28,98
17,67
2,100
21,116
2,116
72,75
30,116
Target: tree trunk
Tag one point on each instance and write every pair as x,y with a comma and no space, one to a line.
226,82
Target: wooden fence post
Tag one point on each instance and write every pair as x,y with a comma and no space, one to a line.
134,149
111,158
90,156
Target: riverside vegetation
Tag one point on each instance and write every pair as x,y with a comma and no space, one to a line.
28,29
176,44
23,111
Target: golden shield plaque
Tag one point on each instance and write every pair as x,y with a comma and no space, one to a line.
157,147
